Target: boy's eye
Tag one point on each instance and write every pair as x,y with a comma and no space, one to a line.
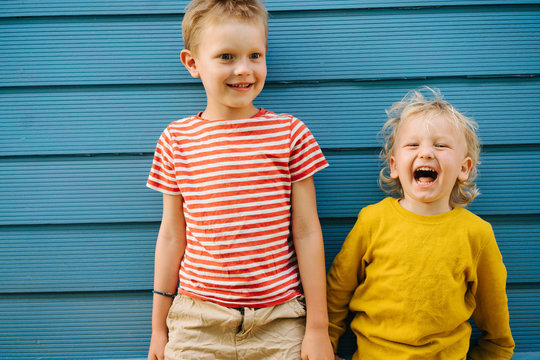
441,146
225,57
255,56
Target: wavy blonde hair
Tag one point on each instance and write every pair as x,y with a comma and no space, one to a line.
415,103
200,13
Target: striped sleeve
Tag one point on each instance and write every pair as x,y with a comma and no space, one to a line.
162,174
306,156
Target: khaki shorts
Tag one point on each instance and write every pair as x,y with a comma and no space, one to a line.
203,330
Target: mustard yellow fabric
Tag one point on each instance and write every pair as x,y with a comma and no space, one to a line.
414,281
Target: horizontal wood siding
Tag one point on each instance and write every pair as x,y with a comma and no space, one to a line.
87,87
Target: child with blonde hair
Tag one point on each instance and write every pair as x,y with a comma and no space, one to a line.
240,227
415,268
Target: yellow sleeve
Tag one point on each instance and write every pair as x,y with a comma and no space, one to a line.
344,276
491,312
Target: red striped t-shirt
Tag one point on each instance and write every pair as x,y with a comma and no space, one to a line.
235,178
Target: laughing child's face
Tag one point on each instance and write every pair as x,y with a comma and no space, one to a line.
429,157
231,62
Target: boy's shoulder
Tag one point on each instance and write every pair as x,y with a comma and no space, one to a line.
474,221
373,213
385,206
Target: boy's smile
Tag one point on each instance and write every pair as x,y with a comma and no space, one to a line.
230,60
429,157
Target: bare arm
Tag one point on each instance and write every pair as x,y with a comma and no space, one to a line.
170,246
308,242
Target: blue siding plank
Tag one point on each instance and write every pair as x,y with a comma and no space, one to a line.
120,257
123,7
117,325
379,45
89,190
81,326
119,119
94,257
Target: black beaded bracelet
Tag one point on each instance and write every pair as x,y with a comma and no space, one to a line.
164,294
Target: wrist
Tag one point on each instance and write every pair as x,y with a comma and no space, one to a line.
317,326
319,322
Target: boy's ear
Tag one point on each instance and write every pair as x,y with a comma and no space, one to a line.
189,62
465,170
393,168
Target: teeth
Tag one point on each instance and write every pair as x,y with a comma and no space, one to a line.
425,175
240,85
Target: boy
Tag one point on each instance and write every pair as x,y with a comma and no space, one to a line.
236,183
414,269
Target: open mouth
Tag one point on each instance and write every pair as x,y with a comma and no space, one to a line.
425,175
240,86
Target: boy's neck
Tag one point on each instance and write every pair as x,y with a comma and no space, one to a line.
229,114
425,209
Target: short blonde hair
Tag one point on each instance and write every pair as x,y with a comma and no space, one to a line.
200,13
415,103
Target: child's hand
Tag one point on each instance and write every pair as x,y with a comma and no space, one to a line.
157,346
316,345
338,358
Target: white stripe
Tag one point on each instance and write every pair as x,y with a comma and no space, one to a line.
247,236
162,190
302,165
235,259
233,175
210,200
166,144
230,134
247,246
239,291
166,175
271,185
299,125
278,177
290,272
305,150
240,223
163,156
244,148
235,155
163,183
237,206
232,267
232,163
235,215
197,270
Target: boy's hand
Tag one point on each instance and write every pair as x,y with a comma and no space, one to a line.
316,345
157,346
338,358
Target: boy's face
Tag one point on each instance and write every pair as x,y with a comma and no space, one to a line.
231,62
428,160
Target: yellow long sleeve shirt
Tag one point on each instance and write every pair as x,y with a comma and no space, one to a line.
414,281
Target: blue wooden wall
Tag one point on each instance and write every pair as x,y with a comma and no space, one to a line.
87,87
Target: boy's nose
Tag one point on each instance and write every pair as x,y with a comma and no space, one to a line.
242,67
426,152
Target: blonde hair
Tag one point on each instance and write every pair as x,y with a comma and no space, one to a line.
415,103
200,13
